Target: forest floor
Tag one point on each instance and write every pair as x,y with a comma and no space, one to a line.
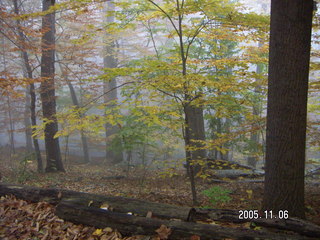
156,186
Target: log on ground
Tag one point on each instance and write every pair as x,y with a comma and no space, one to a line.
136,225
226,215
117,204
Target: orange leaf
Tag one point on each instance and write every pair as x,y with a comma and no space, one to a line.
163,232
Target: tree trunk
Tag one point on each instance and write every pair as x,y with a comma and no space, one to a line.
194,131
48,98
256,110
27,121
11,128
84,140
290,37
195,125
254,136
110,61
34,122
32,93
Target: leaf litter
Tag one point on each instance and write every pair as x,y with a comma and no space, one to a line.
22,220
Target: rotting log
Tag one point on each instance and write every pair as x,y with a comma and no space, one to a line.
219,181
116,203
226,215
159,210
136,225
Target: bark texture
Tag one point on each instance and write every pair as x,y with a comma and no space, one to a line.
48,98
289,58
136,225
85,208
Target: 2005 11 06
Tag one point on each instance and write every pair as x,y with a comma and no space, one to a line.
267,214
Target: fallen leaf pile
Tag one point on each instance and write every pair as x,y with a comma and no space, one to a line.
21,220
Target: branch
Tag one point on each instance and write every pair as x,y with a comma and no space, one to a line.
152,39
168,94
165,13
199,29
96,98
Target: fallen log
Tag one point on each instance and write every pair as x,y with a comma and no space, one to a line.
226,215
232,174
313,172
136,225
219,181
114,203
142,208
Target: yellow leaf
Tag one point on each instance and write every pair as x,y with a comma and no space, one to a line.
97,232
249,192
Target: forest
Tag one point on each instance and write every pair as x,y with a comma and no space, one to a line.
159,119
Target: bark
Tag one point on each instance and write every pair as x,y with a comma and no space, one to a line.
195,125
48,98
118,204
110,61
71,202
34,122
289,59
136,225
28,68
194,132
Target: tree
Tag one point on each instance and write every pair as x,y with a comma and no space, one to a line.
48,98
110,61
252,159
290,40
75,102
31,88
177,73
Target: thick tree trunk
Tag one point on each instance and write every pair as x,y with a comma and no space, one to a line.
289,57
195,133
48,98
110,61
